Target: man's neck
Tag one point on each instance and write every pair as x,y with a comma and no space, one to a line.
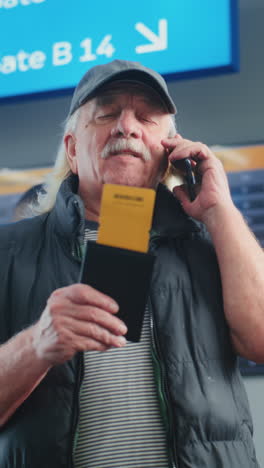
92,204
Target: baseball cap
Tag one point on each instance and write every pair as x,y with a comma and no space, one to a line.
119,70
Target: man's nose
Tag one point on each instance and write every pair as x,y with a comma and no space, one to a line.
127,126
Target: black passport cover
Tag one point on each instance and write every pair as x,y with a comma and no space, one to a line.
123,275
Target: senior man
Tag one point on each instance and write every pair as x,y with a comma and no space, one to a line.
73,392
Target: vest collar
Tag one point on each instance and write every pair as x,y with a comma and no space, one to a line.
169,219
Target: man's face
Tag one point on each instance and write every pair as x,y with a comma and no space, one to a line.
118,139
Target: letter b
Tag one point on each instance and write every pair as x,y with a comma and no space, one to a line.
62,53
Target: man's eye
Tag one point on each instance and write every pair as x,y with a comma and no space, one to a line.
105,116
147,120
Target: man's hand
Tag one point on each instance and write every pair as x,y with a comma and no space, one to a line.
77,318
213,191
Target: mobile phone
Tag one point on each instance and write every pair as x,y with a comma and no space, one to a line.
185,166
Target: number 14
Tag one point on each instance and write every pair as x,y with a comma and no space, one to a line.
104,48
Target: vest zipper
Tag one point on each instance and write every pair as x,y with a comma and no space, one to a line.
161,378
75,415
163,393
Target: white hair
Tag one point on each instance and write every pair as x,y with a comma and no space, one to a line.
173,126
61,169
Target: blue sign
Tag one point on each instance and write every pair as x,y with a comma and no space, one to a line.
47,45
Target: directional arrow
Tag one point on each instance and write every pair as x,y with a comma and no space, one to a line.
158,41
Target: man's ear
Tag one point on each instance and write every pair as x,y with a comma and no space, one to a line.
70,148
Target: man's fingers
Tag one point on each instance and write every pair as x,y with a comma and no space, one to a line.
85,294
79,317
171,142
180,148
61,353
100,335
82,334
196,151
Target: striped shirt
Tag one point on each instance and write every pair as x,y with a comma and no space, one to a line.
120,424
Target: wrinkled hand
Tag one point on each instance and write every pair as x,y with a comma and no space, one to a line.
77,318
213,190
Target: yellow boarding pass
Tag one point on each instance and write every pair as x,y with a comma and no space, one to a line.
126,217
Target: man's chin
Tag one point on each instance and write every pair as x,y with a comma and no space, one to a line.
124,178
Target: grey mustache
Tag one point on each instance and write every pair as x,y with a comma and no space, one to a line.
126,145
